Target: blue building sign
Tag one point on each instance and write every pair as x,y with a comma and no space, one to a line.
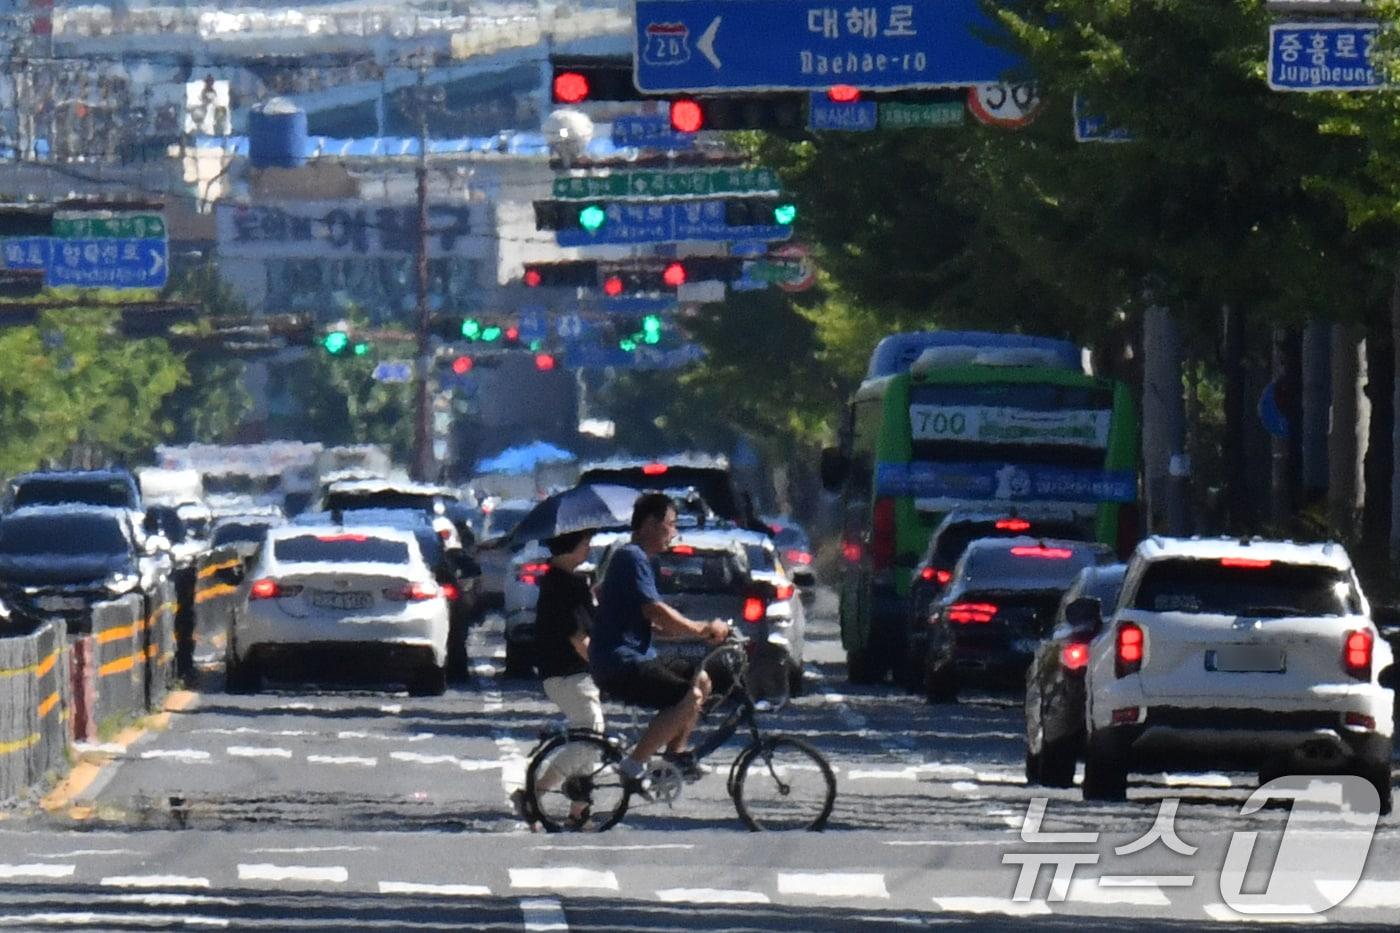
30,252
1323,57
1093,128
772,45
1004,482
825,114
649,131
653,222
106,262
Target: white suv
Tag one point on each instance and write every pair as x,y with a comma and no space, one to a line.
1238,653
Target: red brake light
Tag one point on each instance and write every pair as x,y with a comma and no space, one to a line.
1044,553
1075,656
1130,645
1013,524
683,549
341,539
266,588
798,557
1246,562
882,533
415,592
928,573
571,88
850,550
654,469
944,577
1357,655
843,94
785,590
451,593
754,609
974,613
529,574
445,533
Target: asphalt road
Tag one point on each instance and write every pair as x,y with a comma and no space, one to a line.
306,808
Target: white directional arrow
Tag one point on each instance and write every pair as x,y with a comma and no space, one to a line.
706,43
156,263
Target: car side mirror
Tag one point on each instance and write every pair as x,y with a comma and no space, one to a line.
1086,612
834,467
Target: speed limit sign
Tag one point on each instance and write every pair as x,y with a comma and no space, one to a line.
1007,105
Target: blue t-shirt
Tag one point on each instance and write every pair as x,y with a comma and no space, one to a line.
621,633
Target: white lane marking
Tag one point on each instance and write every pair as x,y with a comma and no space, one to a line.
563,877
959,842
1194,780
393,709
450,890
710,896
179,754
157,899
342,760
1089,891
100,748
910,773
992,905
1001,777
249,730
937,769
387,737
110,921
77,852
263,872
37,871
832,884
513,763
296,705
154,881
299,850
419,759
967,787
493,702
543,915
480,764
634,848
247,751
1367,894
1224,914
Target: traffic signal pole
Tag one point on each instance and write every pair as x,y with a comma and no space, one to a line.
422,417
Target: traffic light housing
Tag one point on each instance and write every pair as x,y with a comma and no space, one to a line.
782,113
761,211
552,214
580,79
569,274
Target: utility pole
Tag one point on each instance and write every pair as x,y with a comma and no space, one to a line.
423,460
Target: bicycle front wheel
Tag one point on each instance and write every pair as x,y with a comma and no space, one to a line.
574,784
782,783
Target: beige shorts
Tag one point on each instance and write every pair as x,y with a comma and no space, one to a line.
577,696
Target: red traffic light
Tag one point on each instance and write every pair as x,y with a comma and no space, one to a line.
512,333
544,362
533,278
687,116
462,365
570,87
612,286
843,94
674,275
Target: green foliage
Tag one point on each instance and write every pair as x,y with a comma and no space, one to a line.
335,400
213,400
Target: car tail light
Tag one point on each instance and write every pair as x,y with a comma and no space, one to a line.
655,469
341,539
529,574
882,532
414,592
1126,715
1075,656
798,557
1248,563
1361,721
971,613
445,533
754,610
1128,659
927,573
850,550
1013,524
266,588
1043,553
684,550
785,591
1356,657
451,593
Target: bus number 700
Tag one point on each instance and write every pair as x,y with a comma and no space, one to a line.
940,423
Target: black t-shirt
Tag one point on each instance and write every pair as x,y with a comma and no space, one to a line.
564,609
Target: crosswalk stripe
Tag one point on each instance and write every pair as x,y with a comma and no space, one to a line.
265,872
37,871
563,877
1089,891
1225,914
451,890
1367,894
833,884
710,896
992,905
543,915
154,881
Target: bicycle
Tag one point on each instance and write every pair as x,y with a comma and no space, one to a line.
590,794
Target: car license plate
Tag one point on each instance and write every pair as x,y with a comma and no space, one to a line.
688,650
1246,659
325,600
59,603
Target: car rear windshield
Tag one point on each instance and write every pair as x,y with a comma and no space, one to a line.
700,572
388,499
759,558
108,493
1029,567
790,537
954,539
1265,589
240,533
341,548
69,535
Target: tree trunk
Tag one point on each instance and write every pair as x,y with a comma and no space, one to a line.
1346,438
1239,513
1280,447
1394,537
1380,375
1162,419
1316,398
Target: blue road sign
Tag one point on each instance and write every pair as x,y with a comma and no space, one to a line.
629,223
393,371
1323,57
533,327
108,262
649,131
771,45
26,252
825,114
1004,482
1092,128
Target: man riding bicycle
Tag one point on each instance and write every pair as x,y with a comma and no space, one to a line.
621,656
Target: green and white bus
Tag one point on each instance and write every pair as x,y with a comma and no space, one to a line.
974,421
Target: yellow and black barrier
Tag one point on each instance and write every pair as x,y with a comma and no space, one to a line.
215,597
119,661
33,708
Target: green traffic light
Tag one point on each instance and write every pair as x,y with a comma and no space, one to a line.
785,214
592,217
471,328
536,344
336,341
627,343
361,349
651,329
491,333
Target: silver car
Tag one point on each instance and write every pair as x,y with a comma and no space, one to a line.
319,603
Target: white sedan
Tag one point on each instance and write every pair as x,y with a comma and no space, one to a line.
1245,654
319,602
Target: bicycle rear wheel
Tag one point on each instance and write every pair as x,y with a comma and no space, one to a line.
782,783
574,784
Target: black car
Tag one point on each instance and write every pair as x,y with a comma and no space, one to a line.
1055,679
795,547
56,561
110,488
1001,602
